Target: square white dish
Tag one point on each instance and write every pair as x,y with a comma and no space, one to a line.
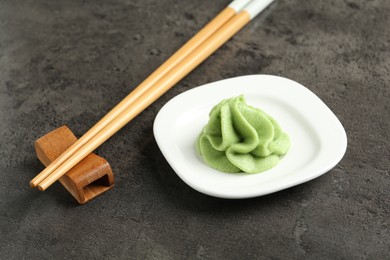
318,140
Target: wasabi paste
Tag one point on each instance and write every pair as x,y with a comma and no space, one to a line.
241,138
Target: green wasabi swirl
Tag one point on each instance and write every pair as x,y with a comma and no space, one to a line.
241,138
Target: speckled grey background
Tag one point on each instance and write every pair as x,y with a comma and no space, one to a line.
69,62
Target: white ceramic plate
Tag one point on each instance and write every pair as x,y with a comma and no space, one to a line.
318,140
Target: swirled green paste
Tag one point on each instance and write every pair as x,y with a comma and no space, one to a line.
241,138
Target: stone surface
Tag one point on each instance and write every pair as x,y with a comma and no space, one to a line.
69,62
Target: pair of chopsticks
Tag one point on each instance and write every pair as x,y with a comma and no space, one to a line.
224,26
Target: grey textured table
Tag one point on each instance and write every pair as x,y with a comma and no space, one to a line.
69,62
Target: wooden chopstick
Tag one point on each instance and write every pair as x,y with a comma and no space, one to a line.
233,8
203,51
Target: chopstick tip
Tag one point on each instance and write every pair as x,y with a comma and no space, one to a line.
40,188
32,184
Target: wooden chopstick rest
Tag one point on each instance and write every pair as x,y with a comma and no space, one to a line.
88,179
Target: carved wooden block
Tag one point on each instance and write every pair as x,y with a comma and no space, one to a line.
88,179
